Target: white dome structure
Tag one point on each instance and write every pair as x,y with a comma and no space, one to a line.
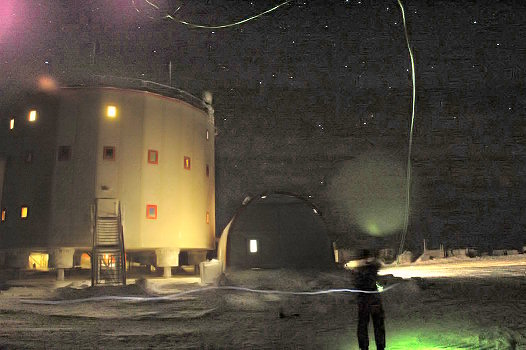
276,230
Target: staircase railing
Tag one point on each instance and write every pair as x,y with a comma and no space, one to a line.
108,257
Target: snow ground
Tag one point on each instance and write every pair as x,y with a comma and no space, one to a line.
461,304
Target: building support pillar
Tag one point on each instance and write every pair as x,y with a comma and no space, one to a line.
60,274
19,260
167,258
167,272
60,259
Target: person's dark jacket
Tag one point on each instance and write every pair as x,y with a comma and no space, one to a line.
365,276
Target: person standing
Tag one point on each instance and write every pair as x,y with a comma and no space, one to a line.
369,304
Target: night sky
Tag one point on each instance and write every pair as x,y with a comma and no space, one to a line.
303,92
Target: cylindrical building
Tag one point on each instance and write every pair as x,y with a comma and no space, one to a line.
152,153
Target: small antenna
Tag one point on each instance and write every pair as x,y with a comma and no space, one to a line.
170,73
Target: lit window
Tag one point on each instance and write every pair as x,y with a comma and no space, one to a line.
207,135
207,217
207,171
12,124
32,115
187,163
23,212
153,156
64,153
253,245
151,211
108,153
111,111
38,260
4,213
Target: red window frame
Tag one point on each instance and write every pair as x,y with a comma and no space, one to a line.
148,214
152,152
187,163
107,148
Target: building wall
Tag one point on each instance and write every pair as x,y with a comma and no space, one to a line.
29,151
65,191
2,173
74,180
183,196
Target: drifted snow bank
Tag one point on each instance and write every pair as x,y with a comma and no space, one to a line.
421,313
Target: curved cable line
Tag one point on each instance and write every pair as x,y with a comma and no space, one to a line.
408,177
409,166
204,26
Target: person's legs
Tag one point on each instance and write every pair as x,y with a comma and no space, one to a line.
363,322
377,313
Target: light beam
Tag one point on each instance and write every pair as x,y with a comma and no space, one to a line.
408,177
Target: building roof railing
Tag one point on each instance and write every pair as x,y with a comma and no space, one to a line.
140,84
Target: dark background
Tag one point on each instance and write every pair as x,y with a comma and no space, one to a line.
308,88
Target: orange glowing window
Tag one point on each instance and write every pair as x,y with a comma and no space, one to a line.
187,163
108,153
4,213
24,211
111,111
153,156
207,217
151,211
207,135
38,261
85,261
32,116
12,124
207,171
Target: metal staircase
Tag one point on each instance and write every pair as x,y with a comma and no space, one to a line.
108,262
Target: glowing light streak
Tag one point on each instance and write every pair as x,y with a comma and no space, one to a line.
193,291
204,26
139,11
152,4
408,181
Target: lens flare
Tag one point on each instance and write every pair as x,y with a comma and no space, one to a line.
46,83
369,190
6,13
